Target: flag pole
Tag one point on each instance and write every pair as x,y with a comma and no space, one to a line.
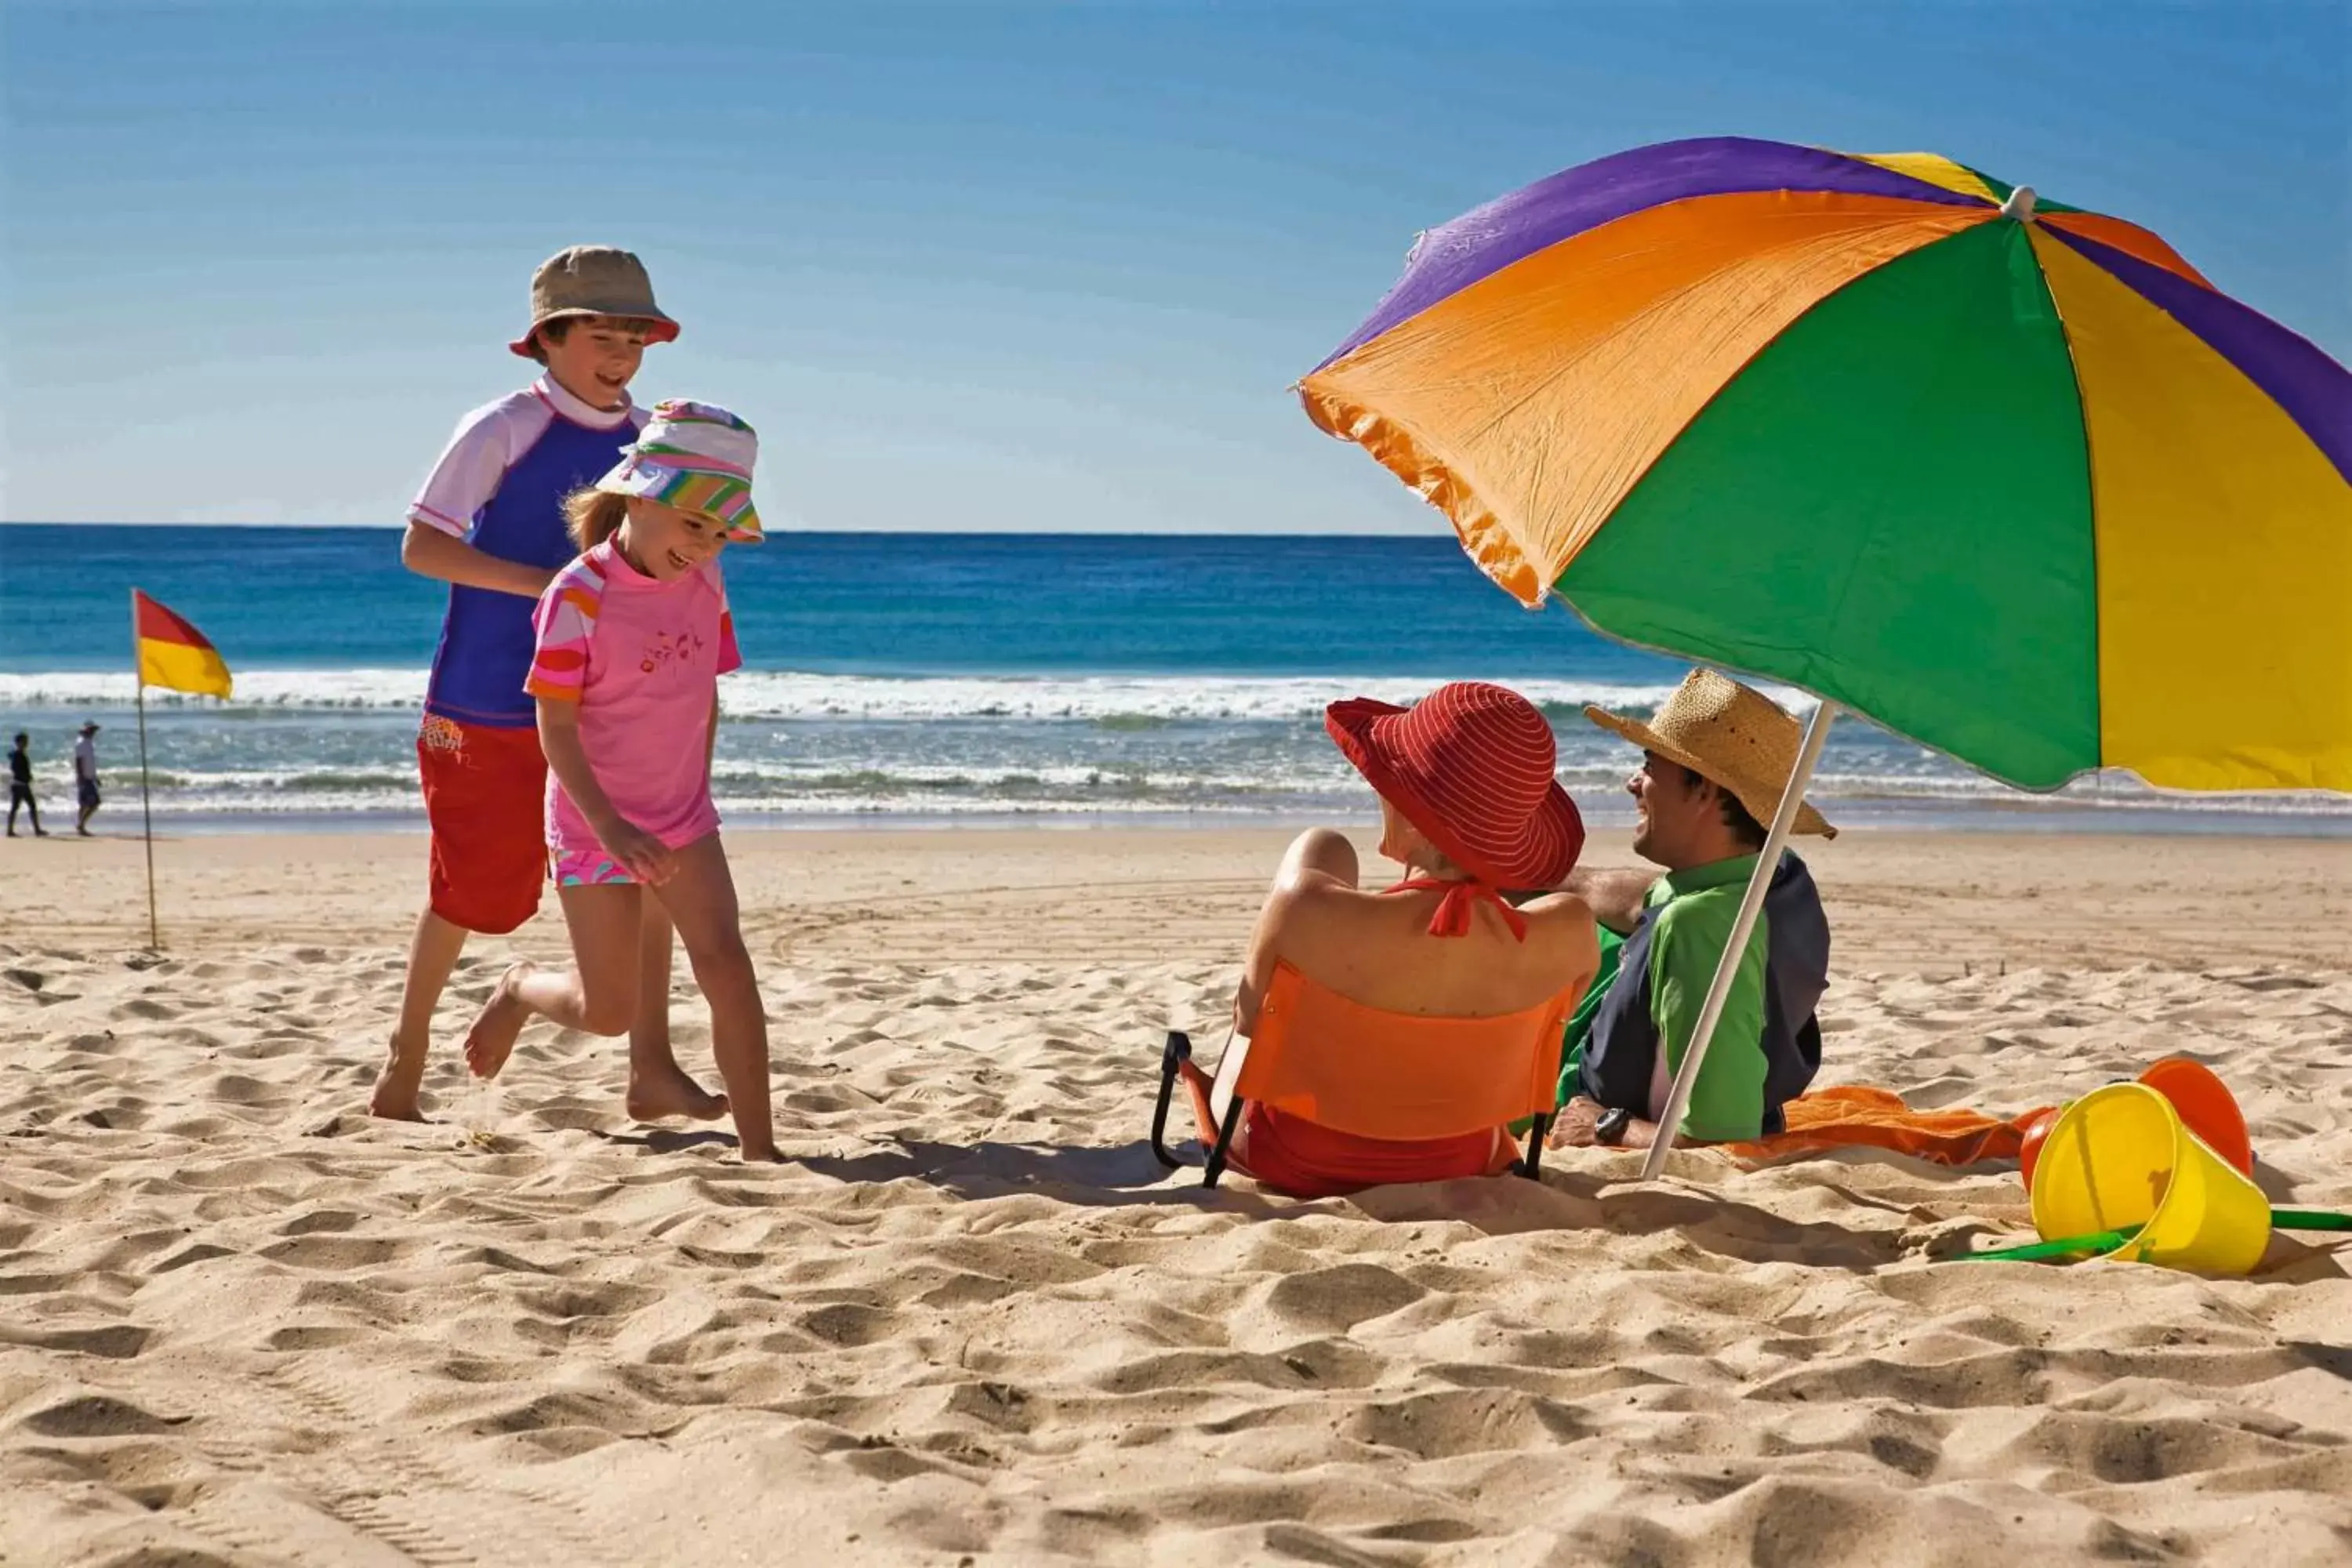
146,807
1710,1013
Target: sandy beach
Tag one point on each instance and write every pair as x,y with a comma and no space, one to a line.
971,1321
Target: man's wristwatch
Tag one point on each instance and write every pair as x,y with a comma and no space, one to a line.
1609,1131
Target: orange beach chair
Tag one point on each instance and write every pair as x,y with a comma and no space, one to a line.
1374,1074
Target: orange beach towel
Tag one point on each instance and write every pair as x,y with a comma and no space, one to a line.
1853,1116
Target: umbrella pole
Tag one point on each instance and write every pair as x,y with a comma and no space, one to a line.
1751,904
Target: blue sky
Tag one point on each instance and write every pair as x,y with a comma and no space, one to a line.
972,266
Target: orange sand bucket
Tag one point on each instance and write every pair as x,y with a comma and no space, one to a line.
2206,1104
2121,1157
2037,1132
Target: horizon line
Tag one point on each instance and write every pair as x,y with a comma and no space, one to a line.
830,533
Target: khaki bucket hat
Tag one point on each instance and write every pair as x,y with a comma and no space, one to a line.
1728,733
594,281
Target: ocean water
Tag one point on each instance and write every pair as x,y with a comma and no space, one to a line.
921,678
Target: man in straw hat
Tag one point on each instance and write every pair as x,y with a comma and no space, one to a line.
1715,760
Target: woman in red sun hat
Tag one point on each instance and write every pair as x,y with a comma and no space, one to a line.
1470,808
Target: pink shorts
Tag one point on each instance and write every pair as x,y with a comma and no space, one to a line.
590,868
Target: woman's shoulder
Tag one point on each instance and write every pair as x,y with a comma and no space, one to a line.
1564,922
1318,914
1566,910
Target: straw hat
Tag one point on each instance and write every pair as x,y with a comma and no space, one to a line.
1471,766
1729,734
594,281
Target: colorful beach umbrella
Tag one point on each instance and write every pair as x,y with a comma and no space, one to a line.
2010,478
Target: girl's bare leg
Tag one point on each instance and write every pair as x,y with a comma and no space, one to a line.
658,1086
597,996
700,898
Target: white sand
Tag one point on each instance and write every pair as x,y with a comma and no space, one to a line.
972,1322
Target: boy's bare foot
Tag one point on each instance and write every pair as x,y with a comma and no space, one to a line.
492,1037
396,1096
658,1094
394,1099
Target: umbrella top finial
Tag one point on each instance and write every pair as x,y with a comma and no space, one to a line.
2018,207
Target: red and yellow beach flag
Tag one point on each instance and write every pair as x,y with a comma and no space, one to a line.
173,654
170,653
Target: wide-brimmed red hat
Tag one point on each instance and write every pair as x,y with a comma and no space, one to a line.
1471,766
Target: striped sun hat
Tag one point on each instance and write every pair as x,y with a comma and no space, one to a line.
1471,766
698,458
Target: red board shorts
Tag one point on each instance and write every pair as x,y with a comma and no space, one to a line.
485,795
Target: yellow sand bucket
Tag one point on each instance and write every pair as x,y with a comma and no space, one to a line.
2120,1157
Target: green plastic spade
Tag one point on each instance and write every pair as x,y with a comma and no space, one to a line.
2108,1240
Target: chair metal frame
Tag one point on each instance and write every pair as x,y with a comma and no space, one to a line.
1178,1050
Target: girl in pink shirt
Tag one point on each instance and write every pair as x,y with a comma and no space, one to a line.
631,639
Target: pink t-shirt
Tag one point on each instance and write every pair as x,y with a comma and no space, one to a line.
643,659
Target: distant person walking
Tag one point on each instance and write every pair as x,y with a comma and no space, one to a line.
20,785
86,777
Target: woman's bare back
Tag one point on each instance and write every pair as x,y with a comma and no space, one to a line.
1376,948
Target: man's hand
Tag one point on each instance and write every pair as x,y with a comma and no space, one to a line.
1577,1125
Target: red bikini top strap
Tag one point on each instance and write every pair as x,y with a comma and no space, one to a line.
1453,917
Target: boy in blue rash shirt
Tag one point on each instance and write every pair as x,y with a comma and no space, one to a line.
490,522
